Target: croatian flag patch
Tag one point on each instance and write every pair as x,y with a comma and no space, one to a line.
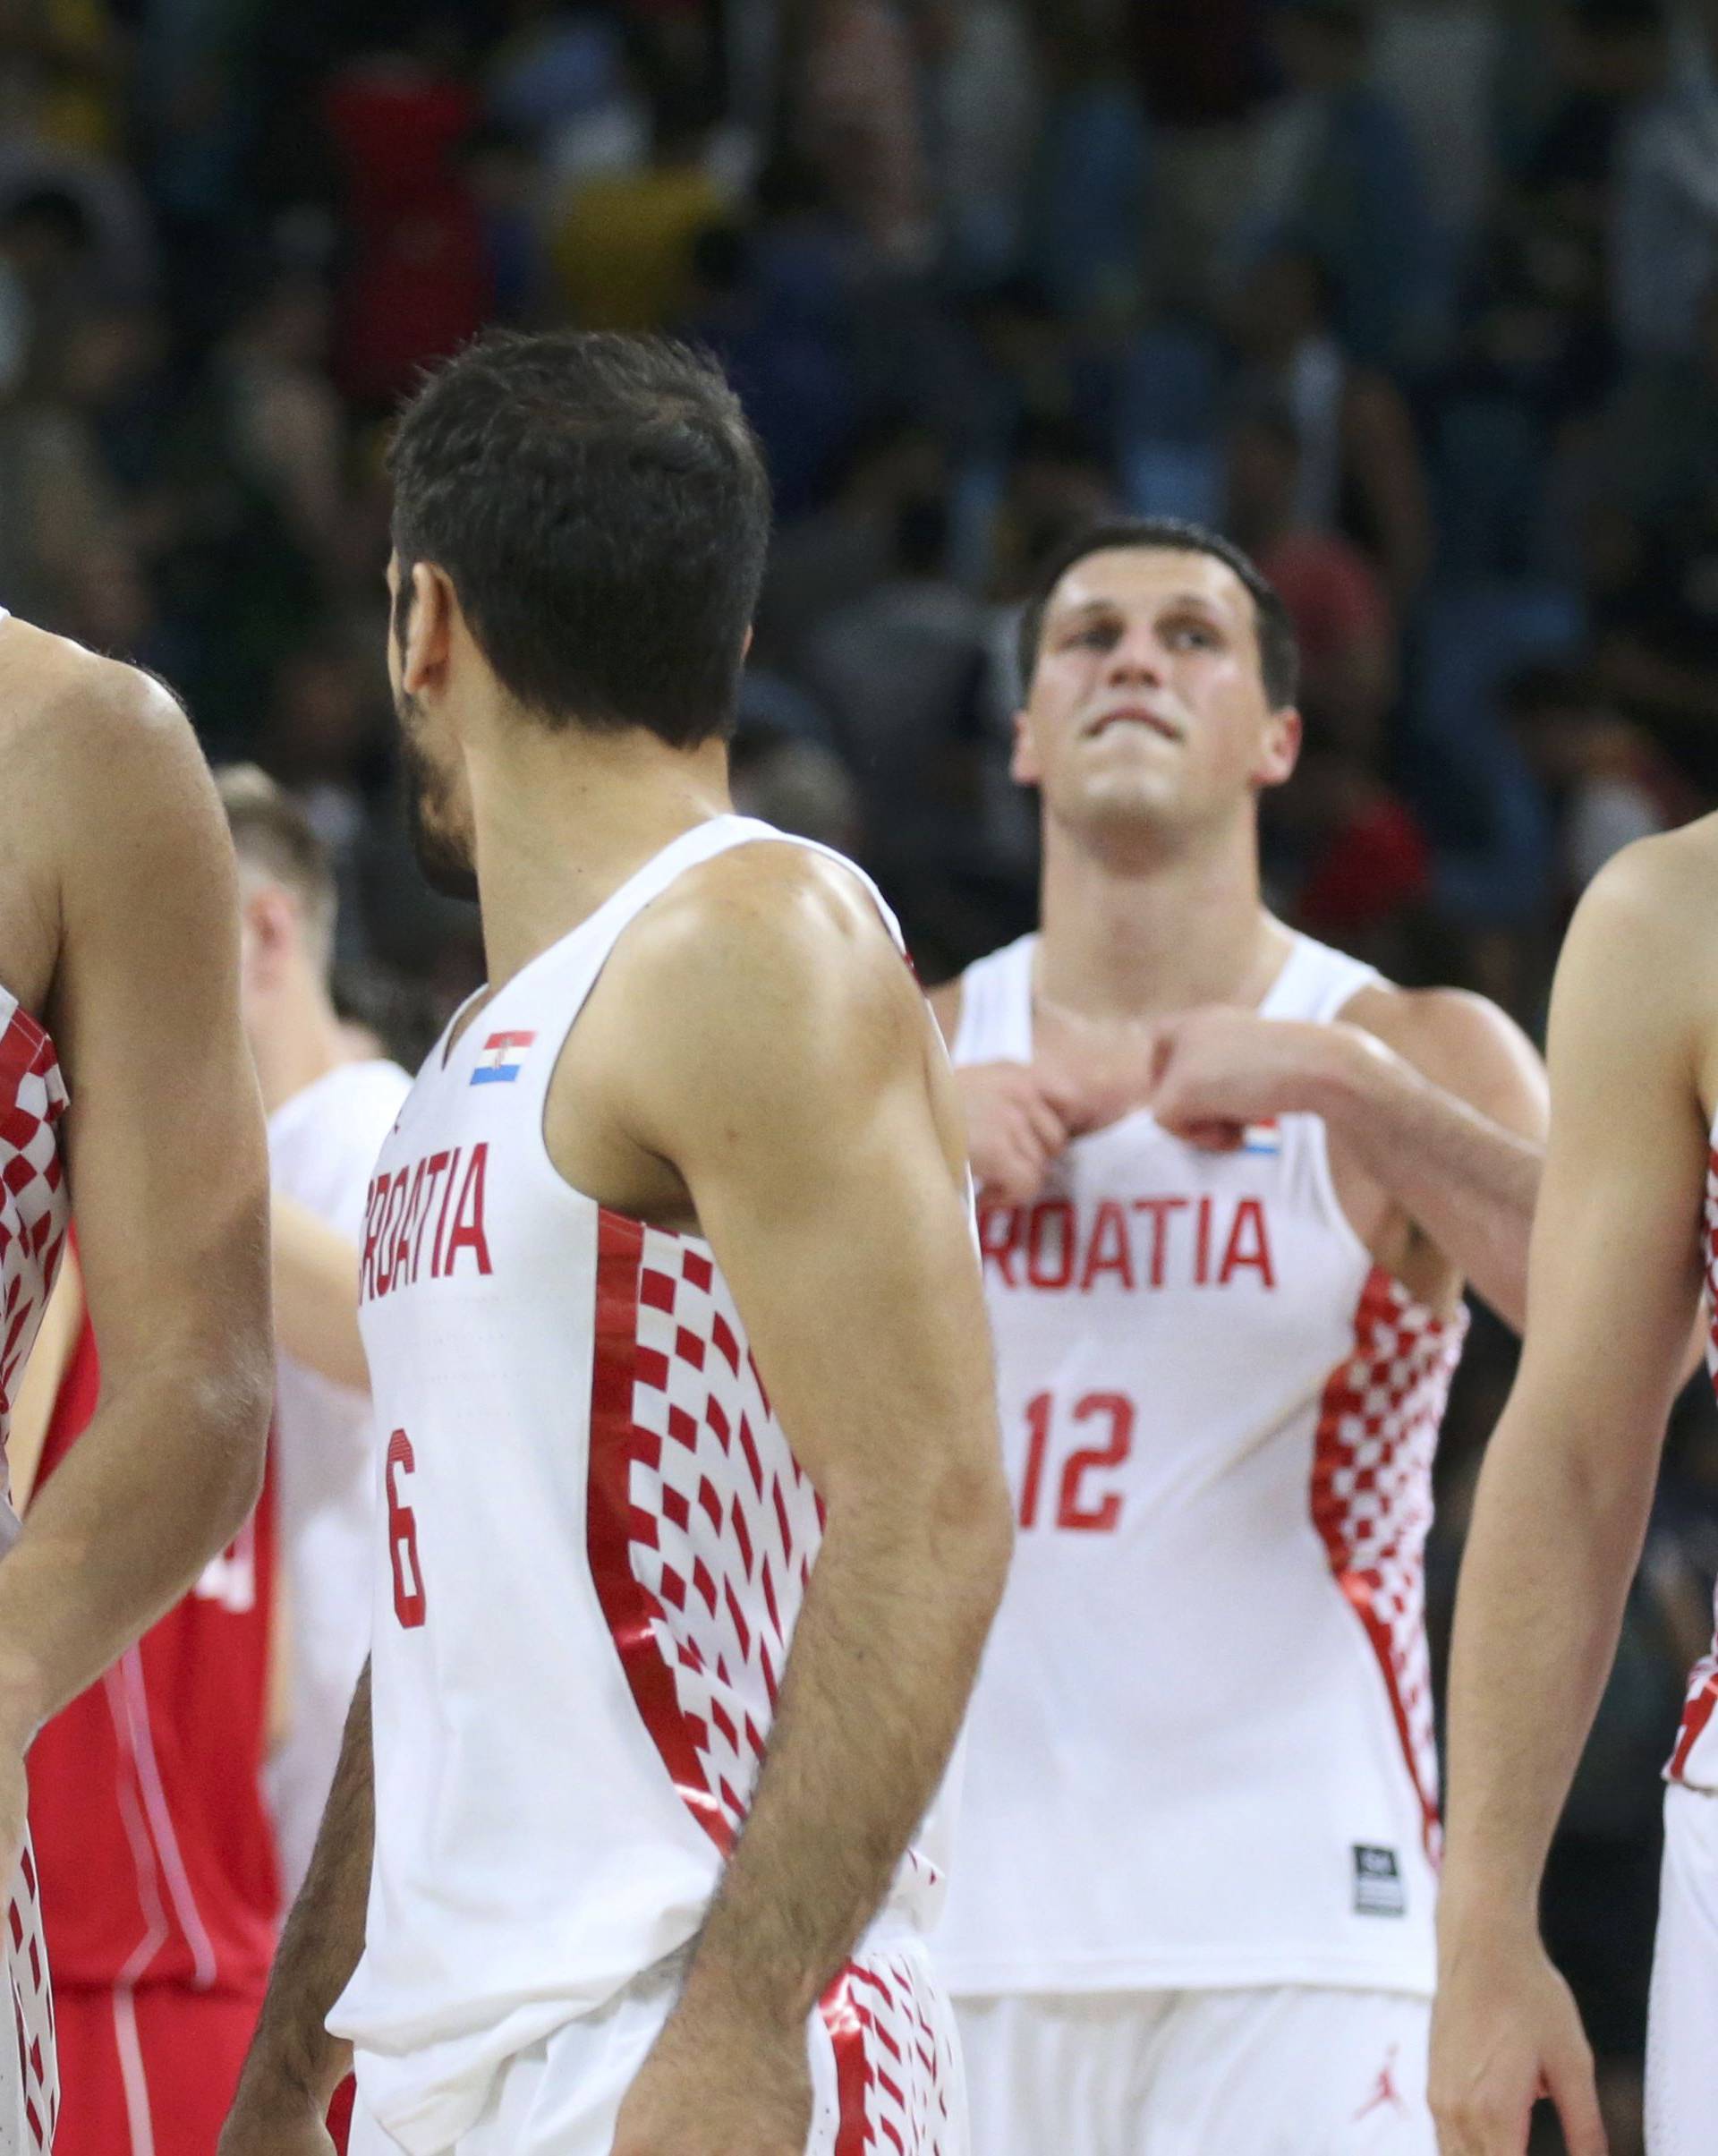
1262,1137
500,1057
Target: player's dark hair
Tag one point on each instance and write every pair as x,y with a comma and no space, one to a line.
1279,651
602,507
273,834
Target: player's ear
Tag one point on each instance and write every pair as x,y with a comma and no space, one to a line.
1279,747
424,622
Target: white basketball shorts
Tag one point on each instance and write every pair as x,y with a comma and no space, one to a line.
884,2054
1294,2071
30,2083
1681,2055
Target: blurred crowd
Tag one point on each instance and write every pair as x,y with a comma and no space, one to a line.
1416,298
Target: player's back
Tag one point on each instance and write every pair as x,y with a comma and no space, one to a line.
592,1544
1201,1751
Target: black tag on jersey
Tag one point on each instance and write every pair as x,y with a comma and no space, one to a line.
1378,1888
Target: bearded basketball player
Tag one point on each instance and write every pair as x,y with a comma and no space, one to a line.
690,1517
123,1079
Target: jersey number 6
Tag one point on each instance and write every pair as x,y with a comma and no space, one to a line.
403,1534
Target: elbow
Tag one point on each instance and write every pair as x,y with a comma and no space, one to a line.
973,1528
233,1399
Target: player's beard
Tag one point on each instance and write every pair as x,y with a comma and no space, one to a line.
446,864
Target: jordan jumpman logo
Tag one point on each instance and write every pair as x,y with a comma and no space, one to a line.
1386,2093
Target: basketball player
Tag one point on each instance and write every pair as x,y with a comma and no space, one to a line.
1233,1183
328,1114
1618,1252
660,1700
116,941
154,1849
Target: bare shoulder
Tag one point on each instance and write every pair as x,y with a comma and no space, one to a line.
86,731
101,768
769,945
1462,1042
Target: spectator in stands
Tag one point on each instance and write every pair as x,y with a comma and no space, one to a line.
1341,612
1361,472
1338,170
1666,204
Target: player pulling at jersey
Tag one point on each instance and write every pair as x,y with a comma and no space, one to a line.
1236,1180
118,934
660,1704
1618,1254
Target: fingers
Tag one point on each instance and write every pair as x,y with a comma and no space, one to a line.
1572,2087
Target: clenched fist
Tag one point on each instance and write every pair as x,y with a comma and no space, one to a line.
1019,1116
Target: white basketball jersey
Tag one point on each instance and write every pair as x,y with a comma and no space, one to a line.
593,1539
1201,1752
322,1144
1695,1760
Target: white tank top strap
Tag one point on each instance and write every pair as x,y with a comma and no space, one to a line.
557,984
1316,983
996,1007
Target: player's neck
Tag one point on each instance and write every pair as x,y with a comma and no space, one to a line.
299,1045
562,822
1121,941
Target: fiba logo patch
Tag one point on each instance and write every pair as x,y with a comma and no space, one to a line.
1378,1887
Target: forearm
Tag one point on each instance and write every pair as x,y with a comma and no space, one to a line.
162,1479
1468,1184
1552,1551
315,1271
293,2051
883,1660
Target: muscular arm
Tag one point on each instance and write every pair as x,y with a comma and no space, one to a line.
1435,1099
806,1106
295,2066
1443,1105
165,1153
316,1293
1567,1482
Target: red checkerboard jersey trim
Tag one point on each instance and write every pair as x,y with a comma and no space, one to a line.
32,2011
34,1207
701,1526
894,2062
1371,1498
1702,1678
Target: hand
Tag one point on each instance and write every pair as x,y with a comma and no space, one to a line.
1018,1119
716,2086
1504,2033
275,2119
1215,1070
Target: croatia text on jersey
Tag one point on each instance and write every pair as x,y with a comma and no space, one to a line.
1143,1242
425,1220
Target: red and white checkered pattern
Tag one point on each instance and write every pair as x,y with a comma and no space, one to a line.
723,1525
29,2087
1702,1678
34,1206
892,2030
1371,1497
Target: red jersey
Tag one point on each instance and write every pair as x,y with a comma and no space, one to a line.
155,1849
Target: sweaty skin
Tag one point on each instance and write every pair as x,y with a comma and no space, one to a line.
118,930
1567,1482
